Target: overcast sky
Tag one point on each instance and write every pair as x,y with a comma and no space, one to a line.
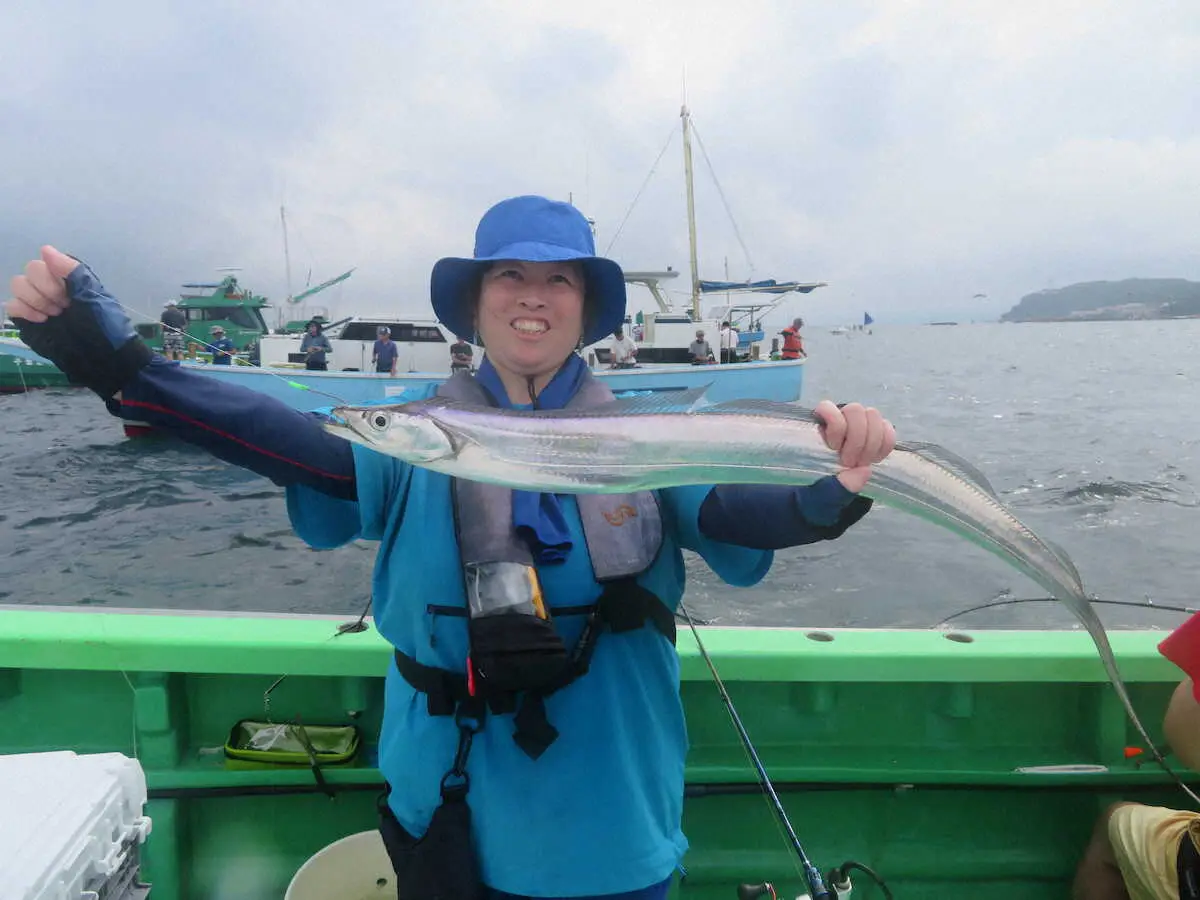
910,154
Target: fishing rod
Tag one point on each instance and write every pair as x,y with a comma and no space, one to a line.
839,878
1147,604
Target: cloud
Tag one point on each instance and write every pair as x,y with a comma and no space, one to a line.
909,153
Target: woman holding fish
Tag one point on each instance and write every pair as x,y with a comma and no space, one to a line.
533,741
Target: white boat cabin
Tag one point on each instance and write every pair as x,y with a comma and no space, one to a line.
424,345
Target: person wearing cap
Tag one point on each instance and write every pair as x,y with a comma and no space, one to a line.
222,347
314,345
173,324
385,353
1142,852
513,769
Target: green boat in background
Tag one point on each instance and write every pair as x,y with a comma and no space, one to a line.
223,303
952,764
23,372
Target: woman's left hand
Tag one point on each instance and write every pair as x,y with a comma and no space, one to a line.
860,436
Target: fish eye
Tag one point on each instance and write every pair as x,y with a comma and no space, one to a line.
378,421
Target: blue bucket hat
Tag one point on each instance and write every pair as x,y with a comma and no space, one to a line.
531,229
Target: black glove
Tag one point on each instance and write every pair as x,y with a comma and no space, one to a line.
92,340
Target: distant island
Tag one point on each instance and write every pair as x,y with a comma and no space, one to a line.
1107,301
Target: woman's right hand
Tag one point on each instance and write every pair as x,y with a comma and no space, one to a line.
42,291
66,315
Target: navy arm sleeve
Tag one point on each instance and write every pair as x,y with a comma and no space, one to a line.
771,517
240,426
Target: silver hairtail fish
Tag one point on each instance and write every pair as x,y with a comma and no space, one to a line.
667,440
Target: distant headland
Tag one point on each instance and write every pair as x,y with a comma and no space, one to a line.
1107,301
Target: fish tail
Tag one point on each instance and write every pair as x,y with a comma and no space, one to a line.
1096,629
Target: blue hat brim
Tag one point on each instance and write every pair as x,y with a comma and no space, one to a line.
454,278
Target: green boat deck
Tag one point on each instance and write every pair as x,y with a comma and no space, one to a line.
898,749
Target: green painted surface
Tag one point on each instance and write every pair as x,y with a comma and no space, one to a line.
20,374
894,748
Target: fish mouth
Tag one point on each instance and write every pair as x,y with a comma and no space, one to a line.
339,425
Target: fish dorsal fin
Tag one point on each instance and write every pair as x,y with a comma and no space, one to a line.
1065,559
749,406
952,461
656,403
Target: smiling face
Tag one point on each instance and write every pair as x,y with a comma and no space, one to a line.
530,318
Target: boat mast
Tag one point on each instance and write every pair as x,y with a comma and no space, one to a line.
691,210
287,264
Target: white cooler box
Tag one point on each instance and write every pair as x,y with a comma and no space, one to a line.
71,826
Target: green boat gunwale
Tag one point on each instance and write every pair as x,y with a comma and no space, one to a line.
196,642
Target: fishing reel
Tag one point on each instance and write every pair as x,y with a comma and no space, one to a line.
838,880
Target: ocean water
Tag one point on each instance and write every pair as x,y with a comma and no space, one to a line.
1088,431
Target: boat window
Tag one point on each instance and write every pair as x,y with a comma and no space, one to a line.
238,315
243,316
428,334
402,332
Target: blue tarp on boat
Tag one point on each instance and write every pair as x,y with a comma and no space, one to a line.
769,286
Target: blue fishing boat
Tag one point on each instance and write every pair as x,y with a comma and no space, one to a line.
307,391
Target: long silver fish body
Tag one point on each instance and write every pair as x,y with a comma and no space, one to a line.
647,443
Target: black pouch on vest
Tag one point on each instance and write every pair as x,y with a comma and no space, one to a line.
515,653
514,646
441,864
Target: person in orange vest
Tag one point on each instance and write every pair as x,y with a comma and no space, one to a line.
793,345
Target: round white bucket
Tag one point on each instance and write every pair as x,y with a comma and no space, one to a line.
356,867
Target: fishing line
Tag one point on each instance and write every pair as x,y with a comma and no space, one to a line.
294,384
21,372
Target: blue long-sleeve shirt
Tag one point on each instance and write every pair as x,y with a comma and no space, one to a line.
257,432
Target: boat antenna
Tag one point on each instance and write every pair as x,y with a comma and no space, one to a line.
287,267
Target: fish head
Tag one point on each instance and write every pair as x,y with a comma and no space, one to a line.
402,431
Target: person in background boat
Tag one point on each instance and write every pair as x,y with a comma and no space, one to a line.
793,343
1140,852
385,353
524,755
623,351
222,347
314,345
700,352
462,355
729,342
174,321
